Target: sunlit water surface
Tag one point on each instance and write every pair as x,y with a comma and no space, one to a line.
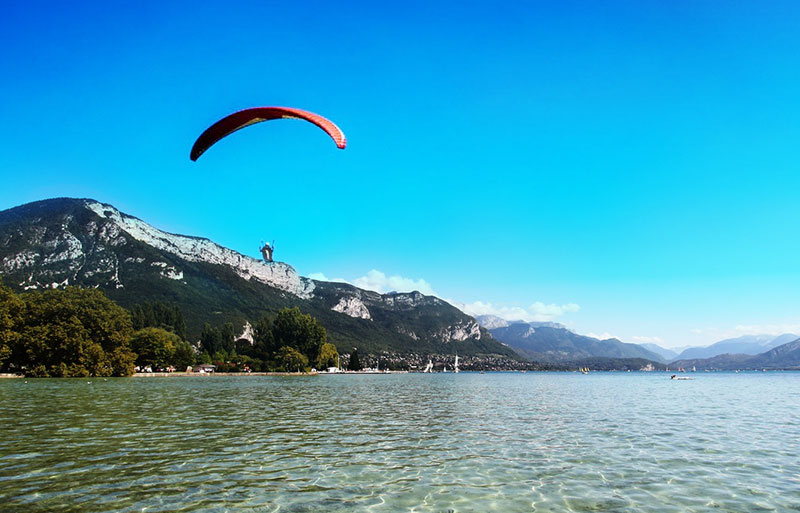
540,442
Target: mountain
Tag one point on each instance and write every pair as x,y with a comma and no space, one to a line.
719,362
493,321
785,356
83,242
667,355
552,342
747,344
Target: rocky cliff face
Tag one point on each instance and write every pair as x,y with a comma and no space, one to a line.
60,242
65,244
195,249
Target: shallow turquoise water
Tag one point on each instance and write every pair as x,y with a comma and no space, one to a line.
443,442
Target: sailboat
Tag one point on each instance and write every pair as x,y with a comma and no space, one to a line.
429,367
455,369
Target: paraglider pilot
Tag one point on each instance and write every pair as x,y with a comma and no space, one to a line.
266,252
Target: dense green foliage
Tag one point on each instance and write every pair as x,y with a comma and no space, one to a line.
69,332
167,316
300,331
216,340
11,308
328,356
291,360
161,349
290,329
80,332
290,341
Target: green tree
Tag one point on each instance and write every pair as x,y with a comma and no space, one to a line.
354,364
122,361
328,356
79,328
264,347
142,316
167,316
300,331
219,357
227,334
179,326
11,310
155,347
184,355
291,360
211,339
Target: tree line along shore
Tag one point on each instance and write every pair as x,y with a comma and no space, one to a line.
80,332
76,332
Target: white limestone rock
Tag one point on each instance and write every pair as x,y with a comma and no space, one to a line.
459,332
352,306
193,249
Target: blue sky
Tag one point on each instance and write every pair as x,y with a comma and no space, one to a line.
628,169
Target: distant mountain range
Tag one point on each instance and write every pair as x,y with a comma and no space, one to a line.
60,242
728,349
747,344
493,321
785,356
553,342
667,355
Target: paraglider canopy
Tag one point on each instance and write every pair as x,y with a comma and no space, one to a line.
247,117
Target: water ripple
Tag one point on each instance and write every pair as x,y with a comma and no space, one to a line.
416,443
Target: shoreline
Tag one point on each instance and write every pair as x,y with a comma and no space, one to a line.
177,375
277,374
208,374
